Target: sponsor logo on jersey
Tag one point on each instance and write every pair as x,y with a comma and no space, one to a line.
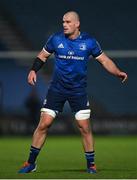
60,45
71,57
82,46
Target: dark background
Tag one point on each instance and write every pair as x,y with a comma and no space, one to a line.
24,28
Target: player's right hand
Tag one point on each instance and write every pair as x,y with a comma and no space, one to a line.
123,76
32,77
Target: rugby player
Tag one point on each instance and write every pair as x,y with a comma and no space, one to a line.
71,49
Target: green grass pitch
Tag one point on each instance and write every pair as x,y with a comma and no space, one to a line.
63,158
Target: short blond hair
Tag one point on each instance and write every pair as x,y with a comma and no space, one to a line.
74,13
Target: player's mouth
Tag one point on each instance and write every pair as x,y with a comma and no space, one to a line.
65,29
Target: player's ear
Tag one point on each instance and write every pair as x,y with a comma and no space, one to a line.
77,24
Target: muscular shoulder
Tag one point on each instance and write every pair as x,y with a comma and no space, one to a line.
92,44
56,36
90,39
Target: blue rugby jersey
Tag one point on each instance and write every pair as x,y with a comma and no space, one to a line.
71,57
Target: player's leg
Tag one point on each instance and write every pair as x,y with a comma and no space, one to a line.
86,133
38,140
87,138
80,105
40,133
53,101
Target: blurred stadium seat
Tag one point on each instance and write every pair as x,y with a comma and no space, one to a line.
24,27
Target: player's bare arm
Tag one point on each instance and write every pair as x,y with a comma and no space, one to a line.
38,63
111,67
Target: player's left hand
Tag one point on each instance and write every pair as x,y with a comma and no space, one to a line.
123,76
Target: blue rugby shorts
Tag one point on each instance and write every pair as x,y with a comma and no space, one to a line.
56,100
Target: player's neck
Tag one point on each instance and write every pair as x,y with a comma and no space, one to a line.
74,35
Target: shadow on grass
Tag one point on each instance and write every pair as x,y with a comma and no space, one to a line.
84,170
67,170
116,169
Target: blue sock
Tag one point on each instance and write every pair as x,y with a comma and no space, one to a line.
33,154
90,158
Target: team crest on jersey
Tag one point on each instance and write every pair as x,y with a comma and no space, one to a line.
87,103
82,46
60,45
71,53
45,101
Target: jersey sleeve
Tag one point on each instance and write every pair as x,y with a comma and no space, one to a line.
95,48
49,46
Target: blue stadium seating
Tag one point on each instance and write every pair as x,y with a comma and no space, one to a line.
114,27
13,79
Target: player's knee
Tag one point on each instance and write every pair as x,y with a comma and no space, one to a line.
49,112
45,120
83,114
43,127
85,130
